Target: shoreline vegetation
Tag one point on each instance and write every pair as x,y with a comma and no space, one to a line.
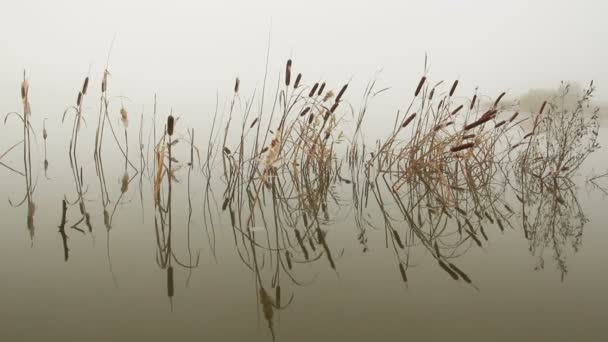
277,164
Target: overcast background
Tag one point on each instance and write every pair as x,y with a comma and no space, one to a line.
186,50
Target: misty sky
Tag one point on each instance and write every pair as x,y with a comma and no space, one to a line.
186,50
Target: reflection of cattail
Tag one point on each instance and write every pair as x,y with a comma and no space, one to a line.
170,290
448,270
170,124
408,120
288,72
237,83
124,183
321,89
85,85
462,274
313,90
297,82
124,117
402,271
462,147
420,84
453,87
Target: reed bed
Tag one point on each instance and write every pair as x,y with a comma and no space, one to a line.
442,178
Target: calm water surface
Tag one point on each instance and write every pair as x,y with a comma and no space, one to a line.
111,282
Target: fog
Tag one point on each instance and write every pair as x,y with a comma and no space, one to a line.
186,51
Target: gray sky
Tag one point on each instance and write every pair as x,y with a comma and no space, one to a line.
185,50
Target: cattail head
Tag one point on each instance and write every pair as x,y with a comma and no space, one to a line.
419,87
288,73
339,97
124,183
79,99
237,84
124,117
313,90
473,102
85,85
298,79
499,98
453,87
170,124
104,81
321,88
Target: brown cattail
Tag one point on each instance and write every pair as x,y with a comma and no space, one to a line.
227,150
542,108
104,81
306,110
310,118
313,90
237,84
253,123
298,79
339,97
462,147
473,102
431,94
419,87
513,117
527,135
453,87
481,121
408,120
321,88
498,99
469,136
500,124
333,108
288,72
79,99
85,85
456,110
170,124
490,112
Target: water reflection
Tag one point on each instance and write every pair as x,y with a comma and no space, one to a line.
448,177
